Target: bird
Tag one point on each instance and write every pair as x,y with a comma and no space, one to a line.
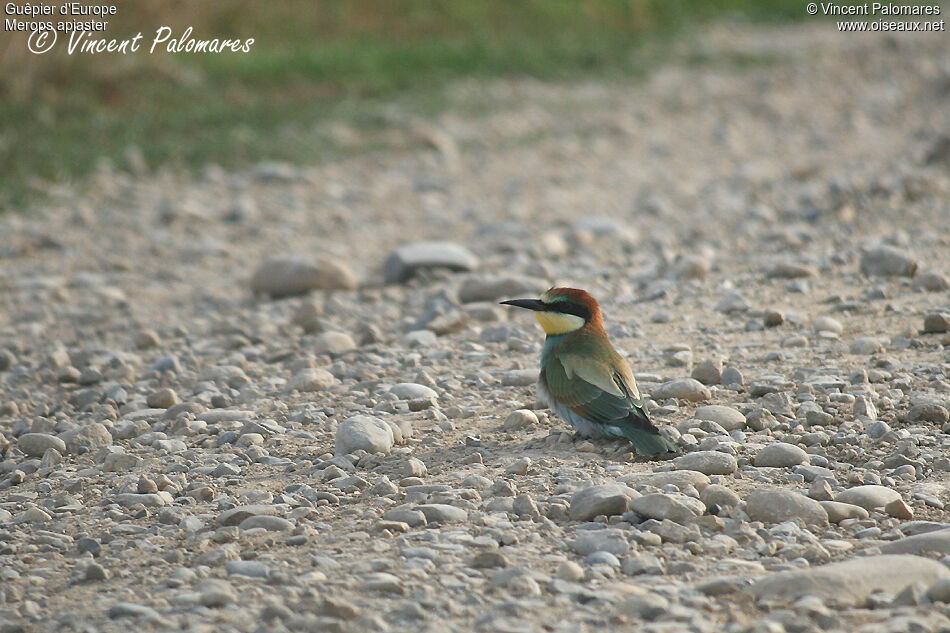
583,378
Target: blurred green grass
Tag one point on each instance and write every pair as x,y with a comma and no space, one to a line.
313,60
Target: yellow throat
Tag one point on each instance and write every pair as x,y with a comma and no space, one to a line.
555,323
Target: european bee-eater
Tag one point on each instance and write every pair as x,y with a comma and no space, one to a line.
583,378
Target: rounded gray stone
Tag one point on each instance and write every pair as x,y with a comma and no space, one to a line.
570,571
332,343
932,282
716,494
519,419
646,606
939,591
887,261
412,518
678,478
728,418
877,429
602,558
776,506
412,391
7,359
708,372
86,438
732,376
249,568
406,260
791,270
604,499
682,389
838,511
269,523
609,540
131,610
674,507
827,324
162,398
733,302
216,593
780,455
866,345
130,499
119,462
289,276
868,497
364,432
937,323
32,515
442,513
235,516
707,462
36,444
928,412
310,379
850,582
936,541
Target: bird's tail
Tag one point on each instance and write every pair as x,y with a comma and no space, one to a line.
645,437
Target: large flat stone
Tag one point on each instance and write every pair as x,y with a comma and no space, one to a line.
707,462
728,418
442,513
678,478
289,276
868,497
850,582
776,506
605,499
938,541
35,444
403,262
152,499
661,505
235,516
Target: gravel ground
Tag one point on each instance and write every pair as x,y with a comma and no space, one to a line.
286,399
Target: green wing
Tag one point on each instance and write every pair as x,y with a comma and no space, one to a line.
583,396
600,393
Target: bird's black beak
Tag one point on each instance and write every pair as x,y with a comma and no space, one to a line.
529,304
